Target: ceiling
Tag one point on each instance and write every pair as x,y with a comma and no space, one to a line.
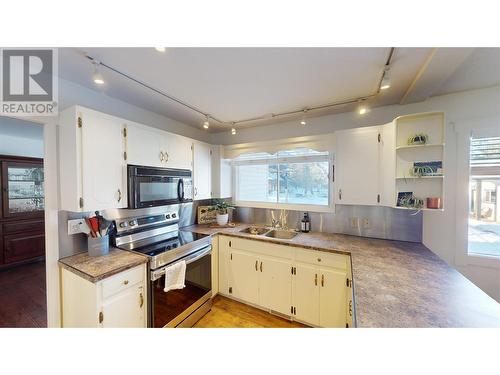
233,84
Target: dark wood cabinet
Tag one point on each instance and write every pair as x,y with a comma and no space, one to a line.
22,229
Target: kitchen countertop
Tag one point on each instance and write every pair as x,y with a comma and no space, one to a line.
396,284
95,269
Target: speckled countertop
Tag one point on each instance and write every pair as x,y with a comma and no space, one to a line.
396,284
95,269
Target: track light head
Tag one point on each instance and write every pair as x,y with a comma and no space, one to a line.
206,123
97,76
386,79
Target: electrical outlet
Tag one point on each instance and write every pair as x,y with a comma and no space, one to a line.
354,222
74,226
366,223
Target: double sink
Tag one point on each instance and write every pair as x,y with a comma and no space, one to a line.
272,233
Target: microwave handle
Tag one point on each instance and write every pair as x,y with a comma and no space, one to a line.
180,189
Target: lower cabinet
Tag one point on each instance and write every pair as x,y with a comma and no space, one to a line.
291,283
115,302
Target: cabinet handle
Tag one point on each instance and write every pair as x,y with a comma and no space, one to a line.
162,156
125,282
260,266
166,156
316,279
119,195
322,280
340,194
101,317
195,191
256,262
141,298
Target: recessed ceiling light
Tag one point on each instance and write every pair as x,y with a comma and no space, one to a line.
206,123
160,49
97,76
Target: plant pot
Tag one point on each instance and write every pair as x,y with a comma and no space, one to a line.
222,219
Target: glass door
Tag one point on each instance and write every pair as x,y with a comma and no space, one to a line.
23,189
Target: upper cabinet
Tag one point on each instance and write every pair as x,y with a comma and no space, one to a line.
400,164
202,174
156,148
92,160
358,162
221,174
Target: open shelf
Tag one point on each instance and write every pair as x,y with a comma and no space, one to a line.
418,209
427,145
418,178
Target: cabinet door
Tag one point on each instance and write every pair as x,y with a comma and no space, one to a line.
306,293
202,171
125,309
275,284
103,164
224,259
333,294
357,166
388,165
143,146
179,152
23,246
244,276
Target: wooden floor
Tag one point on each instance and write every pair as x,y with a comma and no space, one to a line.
227,313
23,296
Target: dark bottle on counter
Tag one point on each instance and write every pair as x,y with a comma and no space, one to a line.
305,224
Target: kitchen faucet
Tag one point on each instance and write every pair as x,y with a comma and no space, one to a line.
281,222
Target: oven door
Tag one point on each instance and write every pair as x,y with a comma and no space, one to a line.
171,308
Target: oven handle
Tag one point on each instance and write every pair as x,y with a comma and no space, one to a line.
155,275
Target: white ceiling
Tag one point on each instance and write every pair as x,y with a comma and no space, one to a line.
232,84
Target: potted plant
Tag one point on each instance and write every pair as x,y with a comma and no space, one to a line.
222,208
418,139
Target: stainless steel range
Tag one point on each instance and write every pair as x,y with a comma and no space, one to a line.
159,238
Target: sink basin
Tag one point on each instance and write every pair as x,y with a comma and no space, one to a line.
281,234
255,230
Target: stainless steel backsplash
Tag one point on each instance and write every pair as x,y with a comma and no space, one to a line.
384,222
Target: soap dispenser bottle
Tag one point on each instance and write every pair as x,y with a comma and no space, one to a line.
305,224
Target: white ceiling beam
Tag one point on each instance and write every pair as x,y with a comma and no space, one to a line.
438,67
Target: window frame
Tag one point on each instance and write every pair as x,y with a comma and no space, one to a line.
287,206
463,257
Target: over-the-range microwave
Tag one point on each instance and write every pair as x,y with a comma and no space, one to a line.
154,186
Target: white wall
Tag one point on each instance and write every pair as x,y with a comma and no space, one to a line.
439,228
73,94
20,138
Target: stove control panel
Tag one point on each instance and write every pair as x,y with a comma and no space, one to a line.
143,222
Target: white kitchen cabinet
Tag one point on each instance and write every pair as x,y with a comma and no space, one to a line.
275,284
309,286
332,298
157,148
202,166
244,276
365,166
144,146
306,293
118,301
92,160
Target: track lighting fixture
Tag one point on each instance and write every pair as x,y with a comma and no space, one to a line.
97,76
386,79
303,120
160,49
206,123
233,129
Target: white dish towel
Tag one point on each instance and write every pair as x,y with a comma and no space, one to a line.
175,276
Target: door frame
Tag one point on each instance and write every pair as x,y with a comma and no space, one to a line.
50,160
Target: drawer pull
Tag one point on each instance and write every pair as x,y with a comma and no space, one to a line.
256,263
316,279
322,280
319,259
260,266
125,282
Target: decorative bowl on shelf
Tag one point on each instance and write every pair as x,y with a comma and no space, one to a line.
434,203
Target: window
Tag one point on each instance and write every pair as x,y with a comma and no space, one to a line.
295,177
484,205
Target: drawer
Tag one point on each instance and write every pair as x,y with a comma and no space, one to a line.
19,247
122,281
23,226
261,247
322,258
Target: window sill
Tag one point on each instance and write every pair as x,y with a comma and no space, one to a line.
488,261
291,207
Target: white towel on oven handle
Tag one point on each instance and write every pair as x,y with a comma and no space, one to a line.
175,276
